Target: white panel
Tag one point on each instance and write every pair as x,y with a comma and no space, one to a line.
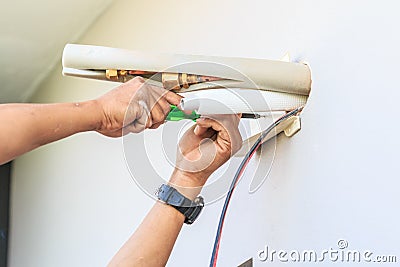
73,202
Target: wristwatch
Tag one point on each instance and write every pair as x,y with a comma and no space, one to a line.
191,209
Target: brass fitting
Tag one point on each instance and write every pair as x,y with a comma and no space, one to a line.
117,75
170,81
175,81
112,74
123,76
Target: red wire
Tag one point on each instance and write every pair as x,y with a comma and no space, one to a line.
223,221
228,199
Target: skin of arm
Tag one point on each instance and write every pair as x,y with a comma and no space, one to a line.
24,127
131,107
152,242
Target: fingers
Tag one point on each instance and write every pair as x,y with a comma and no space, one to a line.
159,92
140,119
160,111
149,122
172,98
161,99
135,105
204,132
200,130
156,125
227,130
216,125
134,127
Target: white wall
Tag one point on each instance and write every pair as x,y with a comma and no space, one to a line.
74,202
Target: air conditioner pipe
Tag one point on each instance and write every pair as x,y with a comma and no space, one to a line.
245,73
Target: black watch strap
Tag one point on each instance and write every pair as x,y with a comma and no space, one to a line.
191,209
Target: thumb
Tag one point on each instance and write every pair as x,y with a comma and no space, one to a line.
202,127
199,130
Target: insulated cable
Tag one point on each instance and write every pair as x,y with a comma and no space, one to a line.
239,172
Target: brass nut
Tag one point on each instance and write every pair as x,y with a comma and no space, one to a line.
170,81
112,74
184,80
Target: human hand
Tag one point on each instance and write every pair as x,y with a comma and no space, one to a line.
204,148
133,107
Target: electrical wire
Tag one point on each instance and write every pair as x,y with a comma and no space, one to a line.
239,172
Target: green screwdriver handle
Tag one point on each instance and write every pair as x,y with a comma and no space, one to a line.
176,115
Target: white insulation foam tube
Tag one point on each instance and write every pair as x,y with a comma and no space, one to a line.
232,101
244,73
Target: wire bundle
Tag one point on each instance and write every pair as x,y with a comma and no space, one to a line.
238,174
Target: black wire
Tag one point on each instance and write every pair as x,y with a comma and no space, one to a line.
237,175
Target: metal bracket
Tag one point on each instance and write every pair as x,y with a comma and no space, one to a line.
290,127
293,127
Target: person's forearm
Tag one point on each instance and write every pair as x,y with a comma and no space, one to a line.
152,242
24,127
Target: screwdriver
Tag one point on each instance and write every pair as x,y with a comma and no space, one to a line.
176,115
